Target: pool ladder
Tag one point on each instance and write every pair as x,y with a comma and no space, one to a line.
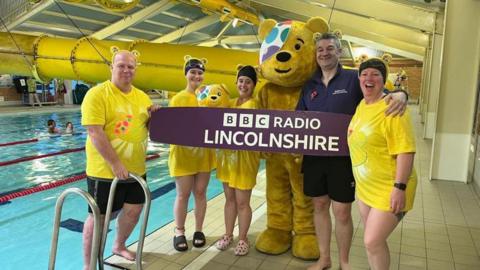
98,244
56,226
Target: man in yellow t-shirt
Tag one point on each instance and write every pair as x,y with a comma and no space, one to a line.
116,114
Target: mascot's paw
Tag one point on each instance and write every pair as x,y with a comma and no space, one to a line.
273,241
305,247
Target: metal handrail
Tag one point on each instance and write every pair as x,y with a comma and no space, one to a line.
143,228
56,226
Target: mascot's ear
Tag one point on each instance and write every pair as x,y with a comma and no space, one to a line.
258,70
114,49
186,58
265,27
239,66
204,61
317,25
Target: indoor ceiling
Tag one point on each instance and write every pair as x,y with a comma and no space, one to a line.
400,27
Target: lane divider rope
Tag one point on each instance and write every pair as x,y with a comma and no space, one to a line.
18,142
52,184
23,159
41,138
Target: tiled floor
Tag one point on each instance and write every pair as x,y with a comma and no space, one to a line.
441,232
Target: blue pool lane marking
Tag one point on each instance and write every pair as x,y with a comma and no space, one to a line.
162,190
77,225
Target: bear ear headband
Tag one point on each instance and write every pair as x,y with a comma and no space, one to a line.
187,58
362,58
337,33
387,58
115,50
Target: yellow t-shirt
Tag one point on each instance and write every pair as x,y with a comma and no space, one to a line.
124,119
239,168
187,160
374,141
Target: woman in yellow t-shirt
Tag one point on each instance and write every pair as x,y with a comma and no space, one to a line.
191,166
237,169
382,150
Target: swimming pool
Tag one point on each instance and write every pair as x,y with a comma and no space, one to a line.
26,223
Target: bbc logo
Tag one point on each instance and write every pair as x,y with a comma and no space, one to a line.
246,120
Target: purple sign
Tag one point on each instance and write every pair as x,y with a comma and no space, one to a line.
302,132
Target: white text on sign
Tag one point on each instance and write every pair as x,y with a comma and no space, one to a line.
263,139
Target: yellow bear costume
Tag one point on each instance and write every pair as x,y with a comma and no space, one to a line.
287,60
213,95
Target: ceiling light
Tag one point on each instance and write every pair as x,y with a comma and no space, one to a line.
318,4
235,22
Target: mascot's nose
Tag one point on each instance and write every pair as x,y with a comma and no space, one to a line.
213,97
283,56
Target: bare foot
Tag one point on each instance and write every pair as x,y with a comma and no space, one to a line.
345,266
125,253
321,265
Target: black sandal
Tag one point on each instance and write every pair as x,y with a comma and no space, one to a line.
180,242
199,239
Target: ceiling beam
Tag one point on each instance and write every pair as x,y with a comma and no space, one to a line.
30,13
240,39
46,27
209,43
387,11
93,8
133,19
77,18
224,29
393,46
160,24
176,16
343,20
143,31
189,28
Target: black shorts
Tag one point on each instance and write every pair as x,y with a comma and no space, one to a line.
127,192
330,176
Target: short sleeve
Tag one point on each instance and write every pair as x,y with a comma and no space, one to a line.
399,134
174,101
93,108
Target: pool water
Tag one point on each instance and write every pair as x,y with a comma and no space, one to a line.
27,222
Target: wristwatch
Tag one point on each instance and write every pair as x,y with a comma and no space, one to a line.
400,186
